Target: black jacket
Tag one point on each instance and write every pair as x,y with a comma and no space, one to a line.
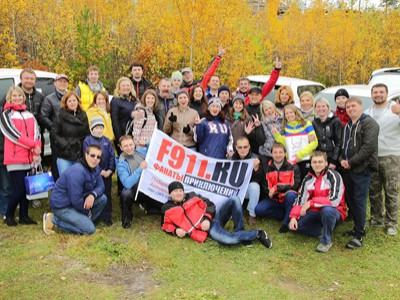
50,108
68,132
141,86
329,134
121,110
360,144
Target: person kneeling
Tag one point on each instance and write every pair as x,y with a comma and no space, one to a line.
320,202
77,199
195,216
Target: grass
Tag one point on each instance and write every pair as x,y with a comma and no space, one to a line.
144,262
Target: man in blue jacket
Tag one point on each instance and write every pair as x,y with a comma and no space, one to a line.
78,197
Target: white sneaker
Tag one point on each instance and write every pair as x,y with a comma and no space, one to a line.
324,247
391,231
48,224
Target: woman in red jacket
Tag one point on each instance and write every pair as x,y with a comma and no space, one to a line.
22,147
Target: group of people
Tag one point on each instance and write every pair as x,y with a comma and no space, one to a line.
309,162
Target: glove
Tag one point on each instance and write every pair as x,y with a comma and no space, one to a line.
172,117
186,129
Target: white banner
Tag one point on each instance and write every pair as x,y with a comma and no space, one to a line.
215,179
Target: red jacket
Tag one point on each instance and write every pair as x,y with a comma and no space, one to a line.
188,216
267,87
21,134
325,190
287,178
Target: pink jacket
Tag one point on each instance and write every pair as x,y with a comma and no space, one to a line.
21,134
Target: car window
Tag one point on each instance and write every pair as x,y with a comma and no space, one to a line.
45,85
5,84
390,79
395,97
313,89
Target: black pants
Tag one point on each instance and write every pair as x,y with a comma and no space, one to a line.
107,211
18,195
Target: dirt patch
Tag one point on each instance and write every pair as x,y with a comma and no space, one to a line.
135,281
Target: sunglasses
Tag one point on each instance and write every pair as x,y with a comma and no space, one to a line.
95,156
242,147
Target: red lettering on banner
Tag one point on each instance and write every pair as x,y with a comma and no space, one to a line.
177,157
165,145
202,169
192,162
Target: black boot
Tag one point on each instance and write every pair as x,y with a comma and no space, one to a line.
10,221
27,221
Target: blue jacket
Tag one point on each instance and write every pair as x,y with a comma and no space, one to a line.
107,156
74,185
214,138
127,176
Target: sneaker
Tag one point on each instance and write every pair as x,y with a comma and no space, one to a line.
27,221
48,223
374,223
264,239
354,244
248,244
252,221
324,248
284,229
391,231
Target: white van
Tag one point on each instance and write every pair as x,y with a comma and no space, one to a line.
9,77
44,84
297,85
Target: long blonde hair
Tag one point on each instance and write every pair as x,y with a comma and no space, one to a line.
117,91
267,103
298,116
18,90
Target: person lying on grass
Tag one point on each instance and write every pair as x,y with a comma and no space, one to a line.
195,216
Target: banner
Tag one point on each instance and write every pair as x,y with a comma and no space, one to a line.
215,179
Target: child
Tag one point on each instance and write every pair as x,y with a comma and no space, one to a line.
107,163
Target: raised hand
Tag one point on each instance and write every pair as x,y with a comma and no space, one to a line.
278,63
172,117
186,129
249,127
256,120
221,51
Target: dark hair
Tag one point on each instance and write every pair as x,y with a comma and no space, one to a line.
380,85
204,100
220,116
137,64
105,95
93,146
150,92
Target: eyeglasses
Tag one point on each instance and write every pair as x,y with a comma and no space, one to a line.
95,156
242,147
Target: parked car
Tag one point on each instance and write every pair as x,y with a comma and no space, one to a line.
298,86
361,91
388,76
44,84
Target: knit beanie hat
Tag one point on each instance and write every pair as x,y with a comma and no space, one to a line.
95,122
224,88
342,92
174,185
176,75
238,97
214,100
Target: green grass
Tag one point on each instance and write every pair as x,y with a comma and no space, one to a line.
144,262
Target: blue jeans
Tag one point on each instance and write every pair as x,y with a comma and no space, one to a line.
63,164
231,208
70,220
5,189
311,223
357,187
273,209
253,194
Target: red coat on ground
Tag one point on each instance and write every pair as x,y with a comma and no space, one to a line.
188,215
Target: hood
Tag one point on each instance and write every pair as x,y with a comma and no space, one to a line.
13,106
